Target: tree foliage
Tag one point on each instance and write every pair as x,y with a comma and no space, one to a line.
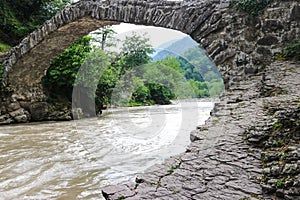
20,17
60,77
108,79
160,93
142,95
135,51
201,73
104,37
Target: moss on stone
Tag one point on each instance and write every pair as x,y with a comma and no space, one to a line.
3,48
252,7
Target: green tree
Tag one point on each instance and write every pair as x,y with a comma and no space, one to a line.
200,88
81,74
163,74
94,74
160,94
60,77
211,76
20,17
136,51
95,65
171,62
106,85
153,83
201,73
164,81
190,71
215,88
104,37
142,95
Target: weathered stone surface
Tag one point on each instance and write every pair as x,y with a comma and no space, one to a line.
5,119
268,40
296,12
20,115
21,118
122,192
271,25
291,168
18,112
264,51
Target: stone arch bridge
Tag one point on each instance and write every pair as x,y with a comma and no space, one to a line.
238,44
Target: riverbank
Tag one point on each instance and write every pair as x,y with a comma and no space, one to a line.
248,148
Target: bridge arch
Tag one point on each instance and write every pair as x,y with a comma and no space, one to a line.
238,44
26,63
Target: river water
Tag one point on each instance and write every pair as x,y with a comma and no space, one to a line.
73,160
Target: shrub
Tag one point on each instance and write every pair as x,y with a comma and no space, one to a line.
142,94
292,51
280,183
160,94
252,7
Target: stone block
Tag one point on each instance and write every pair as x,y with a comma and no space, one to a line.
272,25
21,118
17,113
13,106
268,40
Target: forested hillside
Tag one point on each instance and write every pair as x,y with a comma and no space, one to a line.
198,69
174,48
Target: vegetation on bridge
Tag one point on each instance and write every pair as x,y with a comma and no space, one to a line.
252,7
292,51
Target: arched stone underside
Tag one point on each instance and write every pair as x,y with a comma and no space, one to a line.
25,76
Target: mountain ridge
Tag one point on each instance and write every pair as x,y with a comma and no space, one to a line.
174,48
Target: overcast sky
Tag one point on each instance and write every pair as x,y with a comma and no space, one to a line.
157,35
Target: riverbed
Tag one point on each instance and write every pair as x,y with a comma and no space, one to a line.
74,159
